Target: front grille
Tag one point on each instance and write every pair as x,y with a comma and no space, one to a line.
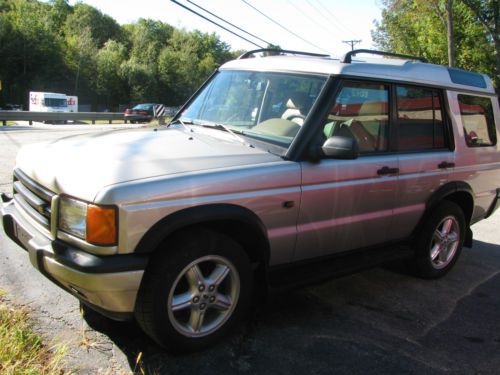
33,198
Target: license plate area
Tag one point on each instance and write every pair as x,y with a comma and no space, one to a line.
23,236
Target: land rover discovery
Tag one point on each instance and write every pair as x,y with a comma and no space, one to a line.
279,170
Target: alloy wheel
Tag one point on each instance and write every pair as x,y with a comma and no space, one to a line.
203,296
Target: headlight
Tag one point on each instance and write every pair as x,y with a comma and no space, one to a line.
89,222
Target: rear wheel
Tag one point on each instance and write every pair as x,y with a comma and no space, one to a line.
440,241
194,291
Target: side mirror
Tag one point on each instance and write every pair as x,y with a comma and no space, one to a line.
338,147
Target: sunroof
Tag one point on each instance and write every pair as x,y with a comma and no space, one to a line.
463,77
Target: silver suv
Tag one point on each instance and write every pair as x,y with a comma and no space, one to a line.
279,170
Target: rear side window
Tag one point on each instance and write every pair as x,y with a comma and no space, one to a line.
420,119
478,121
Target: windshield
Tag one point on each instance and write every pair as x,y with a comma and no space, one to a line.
53,102
270,107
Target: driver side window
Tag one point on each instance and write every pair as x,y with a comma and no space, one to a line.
361,111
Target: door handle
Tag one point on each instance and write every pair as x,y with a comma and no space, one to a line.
446,164
387,170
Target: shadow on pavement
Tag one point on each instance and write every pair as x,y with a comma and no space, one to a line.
380,321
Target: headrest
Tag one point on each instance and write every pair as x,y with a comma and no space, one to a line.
290,104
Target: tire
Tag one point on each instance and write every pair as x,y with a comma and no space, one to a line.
196,287
440,241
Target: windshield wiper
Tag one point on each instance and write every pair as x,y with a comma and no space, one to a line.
183,123
227,129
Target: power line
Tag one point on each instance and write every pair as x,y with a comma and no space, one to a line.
334,17
328,19
304,14
215,23
283,27
229,23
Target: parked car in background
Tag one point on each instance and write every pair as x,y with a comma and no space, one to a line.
140,113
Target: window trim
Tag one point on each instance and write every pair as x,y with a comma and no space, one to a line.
308,136
341,84
494,144
447,128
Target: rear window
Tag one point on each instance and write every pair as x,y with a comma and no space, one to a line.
144,107
477,120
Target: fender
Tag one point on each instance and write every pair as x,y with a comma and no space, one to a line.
204,214
446,191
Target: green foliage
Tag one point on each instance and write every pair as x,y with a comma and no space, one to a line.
109,81
416,27
188,60
53,46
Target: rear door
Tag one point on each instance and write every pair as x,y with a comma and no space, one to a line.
425,148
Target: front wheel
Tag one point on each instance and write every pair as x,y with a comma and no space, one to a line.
440,242
194,291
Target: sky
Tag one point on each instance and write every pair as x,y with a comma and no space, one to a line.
307,25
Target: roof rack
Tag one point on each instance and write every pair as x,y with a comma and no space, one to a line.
347,59
246,55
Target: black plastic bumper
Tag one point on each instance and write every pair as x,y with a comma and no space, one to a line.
108,284
81,260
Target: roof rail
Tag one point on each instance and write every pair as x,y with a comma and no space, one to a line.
249,53
347,59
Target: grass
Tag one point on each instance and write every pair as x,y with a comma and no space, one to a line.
22,351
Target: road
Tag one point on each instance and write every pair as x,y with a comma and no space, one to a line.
381,321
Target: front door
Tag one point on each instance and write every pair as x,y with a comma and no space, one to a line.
348,204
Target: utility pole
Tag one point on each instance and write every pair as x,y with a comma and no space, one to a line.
352,43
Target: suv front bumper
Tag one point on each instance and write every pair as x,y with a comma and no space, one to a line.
108,284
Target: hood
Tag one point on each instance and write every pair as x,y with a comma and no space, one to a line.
82,165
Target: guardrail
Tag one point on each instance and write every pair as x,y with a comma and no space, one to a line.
59,116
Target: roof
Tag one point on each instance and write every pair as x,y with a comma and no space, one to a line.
400,70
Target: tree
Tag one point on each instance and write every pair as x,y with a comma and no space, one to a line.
81,52
101,27
53,46
31,54
419,27
110,84
187,61
487,13
444,9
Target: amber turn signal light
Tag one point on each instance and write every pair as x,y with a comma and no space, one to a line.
101,225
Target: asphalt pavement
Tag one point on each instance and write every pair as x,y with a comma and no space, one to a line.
381,321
